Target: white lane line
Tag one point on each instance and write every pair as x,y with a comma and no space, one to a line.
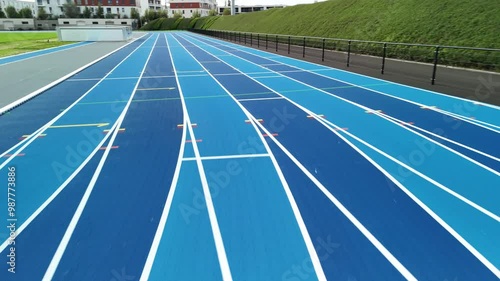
58,81
450,141
337,130
479,123
63,49
257,99
146,271
227,157
241,48
439,185
54,263
35,135
219,244
376,112
388,255
293,204
97,79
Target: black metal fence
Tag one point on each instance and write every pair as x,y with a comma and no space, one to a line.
343,50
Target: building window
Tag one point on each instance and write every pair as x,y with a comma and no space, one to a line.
66,22
79,2
183,12
110,2
123,10
48,2
108,10
124,22
50,10
94,22
25,22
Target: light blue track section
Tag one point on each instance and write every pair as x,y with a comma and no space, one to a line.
480,231
29,55
50,160
438,163
187,250
259,231
449,103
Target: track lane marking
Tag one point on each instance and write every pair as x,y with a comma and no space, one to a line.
148,265
455,234
203,158
219,244
51,270
378,113
300,222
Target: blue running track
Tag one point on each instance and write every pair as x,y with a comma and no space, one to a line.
182,157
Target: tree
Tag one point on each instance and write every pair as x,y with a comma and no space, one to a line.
11,12
212,13
2,15
100,12
71,10
110,16
163,14
87,13
134,14
26,13
226,12
196,14
42,15
177,15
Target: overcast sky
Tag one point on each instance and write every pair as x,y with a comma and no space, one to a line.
269,2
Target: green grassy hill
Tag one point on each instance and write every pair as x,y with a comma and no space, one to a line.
473,23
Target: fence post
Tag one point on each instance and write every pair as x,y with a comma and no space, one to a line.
245,34
434,69
289,44
239,37
276,43
323,50
383,58
258,41
266,41
251,40
348,53
304,48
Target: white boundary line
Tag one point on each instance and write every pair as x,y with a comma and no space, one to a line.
35,135
146,271
64,184
257,99
300,222
219,243
243,49
51,269
395,83
453,193
70,46
41,90
326,123
382,116
227,157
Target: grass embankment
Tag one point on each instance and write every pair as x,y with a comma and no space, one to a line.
471,23
13,43
170,24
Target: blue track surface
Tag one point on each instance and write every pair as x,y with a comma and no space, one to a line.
181,157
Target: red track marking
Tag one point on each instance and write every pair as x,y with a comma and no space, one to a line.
193,125
407,123
258,120
122,130
373,111
9,155
190,141
25,136
319,115
105,147
341,129
274,135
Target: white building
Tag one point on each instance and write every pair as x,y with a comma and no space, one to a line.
239,9
188,7
18,4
